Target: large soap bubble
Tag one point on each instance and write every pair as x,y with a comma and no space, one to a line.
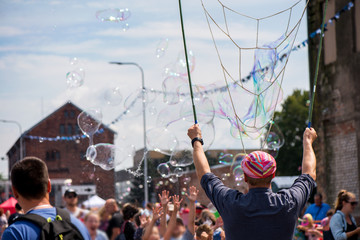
89,122
204,110
113,96
171,87
161,140
134,103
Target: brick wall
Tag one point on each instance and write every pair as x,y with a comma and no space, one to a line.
337,105
70,163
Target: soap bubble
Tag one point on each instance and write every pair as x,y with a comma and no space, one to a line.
102,155
113,15
74,61
149,179
225,176
164,170
238,173
171,87
162,47
125,27
134,103
182,154
226,158
113,96
186,180
178,172
75,78
179,68
89,121
41,139
161,140
275,138
204,110
173,179
152,110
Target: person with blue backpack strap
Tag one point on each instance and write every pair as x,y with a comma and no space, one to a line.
31,187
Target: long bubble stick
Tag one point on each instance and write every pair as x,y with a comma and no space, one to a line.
317,67
187,63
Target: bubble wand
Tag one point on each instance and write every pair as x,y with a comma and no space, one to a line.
187,63
317,67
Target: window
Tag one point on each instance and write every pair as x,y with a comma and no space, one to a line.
72,114
66,114
69,129
62,129
52,155
76,129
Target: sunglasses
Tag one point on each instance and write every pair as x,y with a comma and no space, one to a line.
353,203
71,196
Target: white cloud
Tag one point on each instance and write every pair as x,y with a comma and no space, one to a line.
8,31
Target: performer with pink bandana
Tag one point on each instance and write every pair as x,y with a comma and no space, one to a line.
259,214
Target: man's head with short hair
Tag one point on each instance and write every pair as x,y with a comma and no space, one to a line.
259,169
111,206
318,199
30,179
71,198
18,208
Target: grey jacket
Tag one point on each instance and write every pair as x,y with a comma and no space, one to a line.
338,225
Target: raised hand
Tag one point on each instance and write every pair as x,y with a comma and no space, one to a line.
309,136
194,131
176,201
164,198
193,193
157,212
143,221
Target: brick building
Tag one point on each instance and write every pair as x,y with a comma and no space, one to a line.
337,104
52,139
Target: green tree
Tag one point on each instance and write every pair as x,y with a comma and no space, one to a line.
292,122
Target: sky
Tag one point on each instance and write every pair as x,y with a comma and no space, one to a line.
38,39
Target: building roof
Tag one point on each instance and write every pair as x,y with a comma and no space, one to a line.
54,112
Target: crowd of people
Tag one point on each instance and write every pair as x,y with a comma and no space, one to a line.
257,214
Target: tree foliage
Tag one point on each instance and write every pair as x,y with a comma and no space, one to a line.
292,122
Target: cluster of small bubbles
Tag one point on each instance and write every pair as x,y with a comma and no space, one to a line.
183,191
162,47
113,96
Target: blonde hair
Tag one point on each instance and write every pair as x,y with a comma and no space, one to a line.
91,213
343,195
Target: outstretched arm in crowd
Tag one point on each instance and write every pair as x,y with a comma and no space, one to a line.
192,196
200,160
164,200
309,158
172,222
157,213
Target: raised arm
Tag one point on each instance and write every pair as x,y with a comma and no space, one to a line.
157,213
172,222
200,161
192,196
309,158
164,200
